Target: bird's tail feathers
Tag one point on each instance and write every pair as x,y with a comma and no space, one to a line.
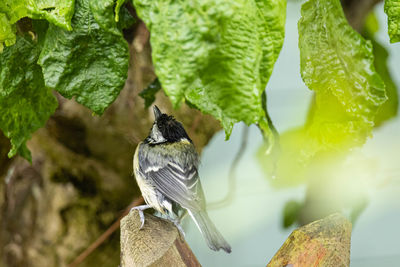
213,237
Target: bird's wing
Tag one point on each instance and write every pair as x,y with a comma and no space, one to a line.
178,182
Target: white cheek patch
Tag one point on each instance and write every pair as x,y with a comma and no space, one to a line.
156,135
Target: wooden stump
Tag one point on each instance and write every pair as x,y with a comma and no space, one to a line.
324,242
158,243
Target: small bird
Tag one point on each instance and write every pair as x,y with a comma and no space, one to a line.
166,169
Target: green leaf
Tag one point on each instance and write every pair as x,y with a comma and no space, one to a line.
217,55
392,9
58,12
149,93
89,63
7,32
338,65
25,102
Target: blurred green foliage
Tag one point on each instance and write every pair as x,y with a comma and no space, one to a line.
149,93
290,213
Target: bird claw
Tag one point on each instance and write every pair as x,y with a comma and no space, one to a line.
141,215
140,209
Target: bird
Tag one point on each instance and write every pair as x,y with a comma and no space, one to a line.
166,166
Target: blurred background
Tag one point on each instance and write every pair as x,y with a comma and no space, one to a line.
367,184
63,208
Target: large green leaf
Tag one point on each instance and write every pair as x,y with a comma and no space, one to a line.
58,12
89,63
7,32
338,65
217,55
392,9
25,102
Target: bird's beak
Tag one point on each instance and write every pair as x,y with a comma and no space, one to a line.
157,112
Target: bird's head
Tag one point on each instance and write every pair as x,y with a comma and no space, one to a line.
166,129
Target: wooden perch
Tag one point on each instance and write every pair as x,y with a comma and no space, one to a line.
158,243
324,242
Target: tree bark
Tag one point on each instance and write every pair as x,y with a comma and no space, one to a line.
81,176
158,243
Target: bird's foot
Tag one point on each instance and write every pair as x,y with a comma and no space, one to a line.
140,209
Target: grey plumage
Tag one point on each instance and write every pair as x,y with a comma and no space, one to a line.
167,174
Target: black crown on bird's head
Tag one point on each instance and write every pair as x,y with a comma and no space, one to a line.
166,129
